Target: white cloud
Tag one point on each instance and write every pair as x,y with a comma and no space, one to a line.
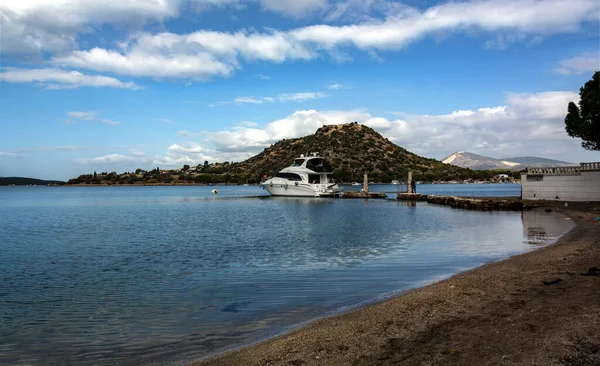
176,156
62,79
152,63
50,148
294,8
137,153
527,124
8,154
335,86
34,26
248,140
204,54
263,77
88,116
503,41
349,11
111,159
110,122
166,120
585,62
300,97
251,100
285,97
187,153
207,4
410,24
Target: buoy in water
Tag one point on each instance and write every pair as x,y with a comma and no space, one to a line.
214,191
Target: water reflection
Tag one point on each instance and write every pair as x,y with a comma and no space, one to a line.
541,227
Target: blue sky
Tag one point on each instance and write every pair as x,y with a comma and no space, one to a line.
116,85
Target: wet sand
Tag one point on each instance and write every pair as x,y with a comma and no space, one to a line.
532,309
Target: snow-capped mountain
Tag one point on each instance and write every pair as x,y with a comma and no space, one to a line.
478,162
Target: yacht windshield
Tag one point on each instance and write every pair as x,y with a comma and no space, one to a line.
319,165
289,176
298,162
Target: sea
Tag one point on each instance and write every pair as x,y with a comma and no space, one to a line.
128,275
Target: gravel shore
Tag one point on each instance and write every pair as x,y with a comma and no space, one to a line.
536,308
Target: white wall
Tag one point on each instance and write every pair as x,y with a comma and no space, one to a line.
583,187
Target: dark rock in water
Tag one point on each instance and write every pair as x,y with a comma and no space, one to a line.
234,307
594,271
552,282
548,210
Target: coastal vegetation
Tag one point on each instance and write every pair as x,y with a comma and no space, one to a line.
583,121
352,149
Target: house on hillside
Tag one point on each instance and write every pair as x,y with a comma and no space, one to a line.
573,183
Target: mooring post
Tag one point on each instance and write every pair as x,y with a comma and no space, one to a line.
366,183
410,189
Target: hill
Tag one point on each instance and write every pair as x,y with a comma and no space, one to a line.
21,181
479,162
351,149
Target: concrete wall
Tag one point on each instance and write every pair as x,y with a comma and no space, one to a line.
584,186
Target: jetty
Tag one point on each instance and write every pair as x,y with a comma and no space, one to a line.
364,195
364,192
469,203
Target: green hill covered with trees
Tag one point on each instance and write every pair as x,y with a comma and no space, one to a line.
353,149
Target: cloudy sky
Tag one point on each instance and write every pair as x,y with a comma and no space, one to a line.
118,84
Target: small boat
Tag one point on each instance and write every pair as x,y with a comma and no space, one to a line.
306,177
356,184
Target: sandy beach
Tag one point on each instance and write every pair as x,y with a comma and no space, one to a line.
536,308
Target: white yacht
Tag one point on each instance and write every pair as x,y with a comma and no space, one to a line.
306,177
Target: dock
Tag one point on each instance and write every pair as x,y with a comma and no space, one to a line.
364,195
469,203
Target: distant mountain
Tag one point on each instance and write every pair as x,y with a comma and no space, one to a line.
21,181
479,162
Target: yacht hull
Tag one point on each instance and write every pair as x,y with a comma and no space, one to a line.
301,190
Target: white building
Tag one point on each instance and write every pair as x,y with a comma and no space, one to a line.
577,183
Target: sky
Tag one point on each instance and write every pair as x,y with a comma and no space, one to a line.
116,85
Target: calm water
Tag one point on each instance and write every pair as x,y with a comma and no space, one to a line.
127,275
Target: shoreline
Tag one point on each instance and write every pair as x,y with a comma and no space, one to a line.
513,311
